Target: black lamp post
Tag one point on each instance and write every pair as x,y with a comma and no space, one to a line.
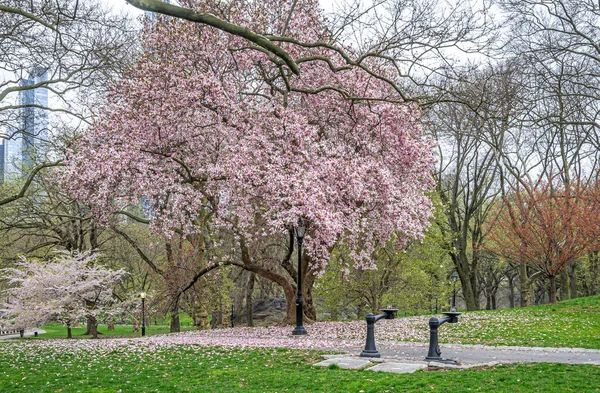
232,302
453,278
299,329
143,296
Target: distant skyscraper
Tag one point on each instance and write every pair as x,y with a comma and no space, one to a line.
30,138
1,162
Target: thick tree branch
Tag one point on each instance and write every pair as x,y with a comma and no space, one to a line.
214,21
28,182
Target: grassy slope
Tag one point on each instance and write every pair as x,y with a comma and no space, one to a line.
571,323
201,369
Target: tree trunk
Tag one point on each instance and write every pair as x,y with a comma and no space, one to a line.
593,258
290,305
110,323
468,279
564,285
511,291
552,289
308,281
217,320
92,326
69,331
175,322
573,279
249,300
201,306
541,291
240,295
525,286
469,294
238,307
275,277
586,289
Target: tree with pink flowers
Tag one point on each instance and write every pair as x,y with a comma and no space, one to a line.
219,137
71,287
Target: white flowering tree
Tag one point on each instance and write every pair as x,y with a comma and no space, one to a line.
68,288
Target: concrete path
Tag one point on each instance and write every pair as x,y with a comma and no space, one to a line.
480,354
28,333
410,357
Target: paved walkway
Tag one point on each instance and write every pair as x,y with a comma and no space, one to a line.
410,357
475,354
467,354
28,333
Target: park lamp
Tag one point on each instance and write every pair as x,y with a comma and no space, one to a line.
453,278
143,296
299,330
300,229
232,310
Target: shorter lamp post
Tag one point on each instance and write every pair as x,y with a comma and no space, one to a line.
299,330
453,278
232,302
143,296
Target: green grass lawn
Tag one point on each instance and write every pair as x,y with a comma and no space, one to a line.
31,368
571,323
58,330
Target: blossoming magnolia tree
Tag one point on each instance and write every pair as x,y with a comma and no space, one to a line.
66,289
211,130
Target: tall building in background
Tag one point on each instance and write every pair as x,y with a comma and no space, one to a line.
30,139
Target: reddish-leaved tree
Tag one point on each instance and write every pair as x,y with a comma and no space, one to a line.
548,225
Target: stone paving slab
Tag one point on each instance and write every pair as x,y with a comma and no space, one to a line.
394,365
344,362
398,368
342,355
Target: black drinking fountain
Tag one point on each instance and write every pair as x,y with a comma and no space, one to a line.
370,351
434,354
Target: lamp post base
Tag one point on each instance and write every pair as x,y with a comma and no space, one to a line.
299,331
370,353
442,360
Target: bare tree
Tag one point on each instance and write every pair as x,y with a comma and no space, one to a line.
66,50
467,174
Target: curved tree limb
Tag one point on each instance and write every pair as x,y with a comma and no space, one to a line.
28,182
214,21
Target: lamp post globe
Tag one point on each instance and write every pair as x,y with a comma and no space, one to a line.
299,330
143,296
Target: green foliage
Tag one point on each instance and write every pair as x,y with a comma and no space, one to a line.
205,369
413,279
